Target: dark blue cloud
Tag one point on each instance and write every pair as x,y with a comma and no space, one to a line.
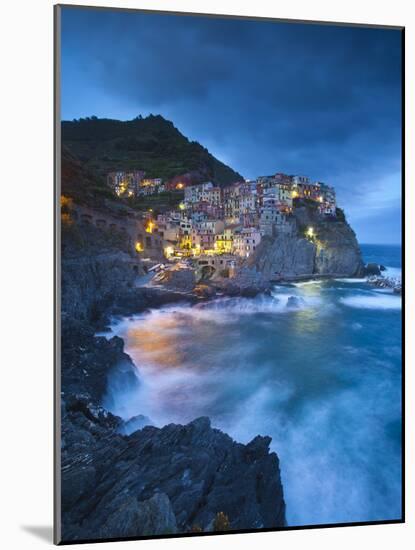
263,96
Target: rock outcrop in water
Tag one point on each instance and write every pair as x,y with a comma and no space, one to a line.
162,481
88,362
331,251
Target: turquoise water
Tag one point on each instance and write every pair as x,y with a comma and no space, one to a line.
323,379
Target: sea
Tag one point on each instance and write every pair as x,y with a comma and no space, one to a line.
321,374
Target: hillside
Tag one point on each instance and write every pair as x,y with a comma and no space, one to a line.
80,183
152,144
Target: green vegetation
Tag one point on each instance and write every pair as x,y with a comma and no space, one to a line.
340,215
160,202
221,522
308,203
81,184
151,144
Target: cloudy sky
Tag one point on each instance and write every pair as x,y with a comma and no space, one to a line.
263,97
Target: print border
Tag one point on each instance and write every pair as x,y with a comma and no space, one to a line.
57,273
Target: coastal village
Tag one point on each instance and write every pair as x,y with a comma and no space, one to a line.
211,231
218,225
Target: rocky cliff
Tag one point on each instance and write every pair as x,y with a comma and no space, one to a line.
155,481
158,481
332,250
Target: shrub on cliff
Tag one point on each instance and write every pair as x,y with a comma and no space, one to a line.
340,215
221,522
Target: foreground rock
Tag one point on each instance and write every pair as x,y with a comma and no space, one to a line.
372,269
160,481
118,481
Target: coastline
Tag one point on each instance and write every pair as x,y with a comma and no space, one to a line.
98,356
95,447
339,315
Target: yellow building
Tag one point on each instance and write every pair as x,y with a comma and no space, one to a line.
224,241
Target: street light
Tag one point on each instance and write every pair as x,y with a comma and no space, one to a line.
169,251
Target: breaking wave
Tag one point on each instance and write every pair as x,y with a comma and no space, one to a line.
384,301
305,365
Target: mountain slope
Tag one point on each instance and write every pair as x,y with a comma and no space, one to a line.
152,144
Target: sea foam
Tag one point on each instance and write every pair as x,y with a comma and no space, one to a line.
372,302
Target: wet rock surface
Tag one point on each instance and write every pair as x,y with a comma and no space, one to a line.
87,361
163,480
180,280
373,269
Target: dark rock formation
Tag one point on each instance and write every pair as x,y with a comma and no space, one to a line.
179,280
96,268
391,283
294,302
87,361
96,285
160,481
204,291
247,282
372,269
135,423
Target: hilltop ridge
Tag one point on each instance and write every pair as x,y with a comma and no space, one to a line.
152,144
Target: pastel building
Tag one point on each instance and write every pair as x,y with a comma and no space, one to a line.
270,215
197,193
224,240
246,241
125,184
213,196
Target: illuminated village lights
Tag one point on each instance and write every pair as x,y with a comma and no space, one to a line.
66,202
150,226
231,220
123,187
169,251
186,242
139,247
